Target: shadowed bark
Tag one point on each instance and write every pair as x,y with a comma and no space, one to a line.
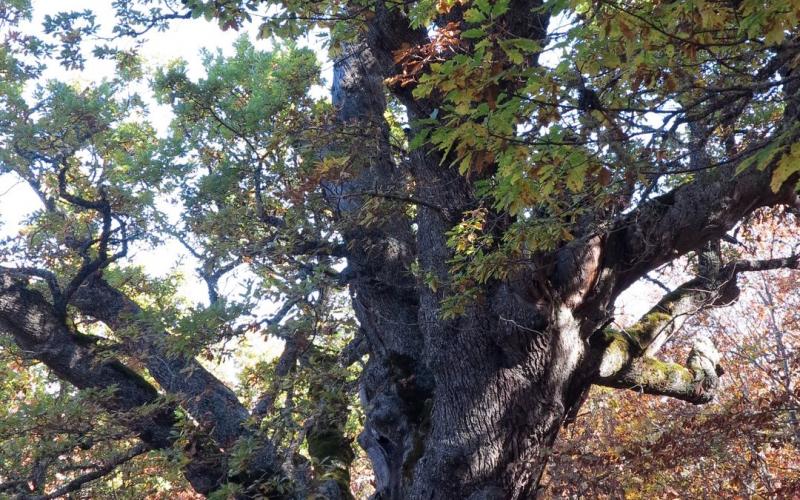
207,399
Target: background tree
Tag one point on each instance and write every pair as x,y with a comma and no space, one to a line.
486,181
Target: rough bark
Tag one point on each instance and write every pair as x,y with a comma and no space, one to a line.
502,371
382,288
208,400
42,332
37,330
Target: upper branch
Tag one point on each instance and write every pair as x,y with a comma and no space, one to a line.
103,259
687,217
684,219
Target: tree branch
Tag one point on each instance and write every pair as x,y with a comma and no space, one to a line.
627,356
101,471
211,403
684,219
205,397
38,330
695,383
90,265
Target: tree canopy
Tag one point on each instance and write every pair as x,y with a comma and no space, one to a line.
439,242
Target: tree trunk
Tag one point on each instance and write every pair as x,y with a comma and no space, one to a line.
456,408
503,390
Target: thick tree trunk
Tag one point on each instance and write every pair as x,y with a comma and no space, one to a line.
503,387
504,371
456,408
468,407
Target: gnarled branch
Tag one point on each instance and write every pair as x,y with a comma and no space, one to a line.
205,397
696,382
627,356
38,329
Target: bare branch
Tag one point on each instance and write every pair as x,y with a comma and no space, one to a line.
101,471
684,219
44,274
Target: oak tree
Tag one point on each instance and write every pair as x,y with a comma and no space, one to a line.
445,237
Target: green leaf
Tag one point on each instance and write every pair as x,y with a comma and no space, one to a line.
761,159
500,7
473,33
474,15
419,139
526,44
484,6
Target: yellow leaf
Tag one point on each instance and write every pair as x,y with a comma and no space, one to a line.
611,60
789,164
775,34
